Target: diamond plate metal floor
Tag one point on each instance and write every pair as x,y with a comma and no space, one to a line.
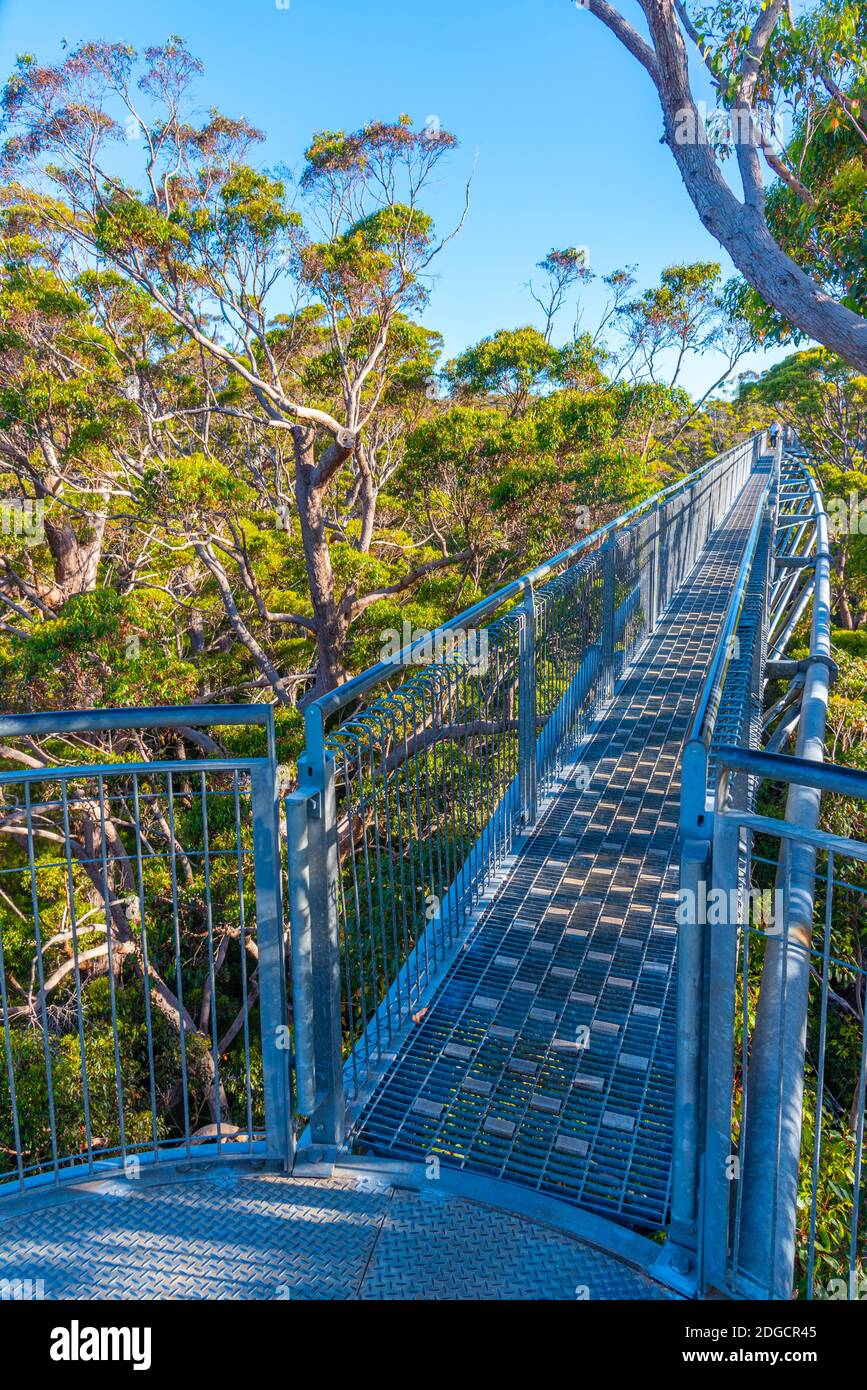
261,1236
546,1057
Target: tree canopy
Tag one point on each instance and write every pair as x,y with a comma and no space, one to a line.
789,94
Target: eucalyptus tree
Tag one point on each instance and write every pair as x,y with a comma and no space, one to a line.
77,593
509,367
660,329
795,245
561,270
296,293
97,389
823,400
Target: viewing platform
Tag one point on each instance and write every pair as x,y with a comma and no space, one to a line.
481,1052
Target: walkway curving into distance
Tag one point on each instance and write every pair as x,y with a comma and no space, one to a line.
540,1073
546,1056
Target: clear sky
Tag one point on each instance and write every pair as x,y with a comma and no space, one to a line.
562,125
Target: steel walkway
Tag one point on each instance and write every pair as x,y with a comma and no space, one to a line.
510,1067
238,1234
546,1057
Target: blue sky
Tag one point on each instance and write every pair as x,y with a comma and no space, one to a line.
562,125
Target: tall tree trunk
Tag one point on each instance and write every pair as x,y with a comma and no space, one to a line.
331,624
844,612
740,227
76,556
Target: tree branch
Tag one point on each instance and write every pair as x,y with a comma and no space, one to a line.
442,562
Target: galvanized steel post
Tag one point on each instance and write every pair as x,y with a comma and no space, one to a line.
777,1056
683,1231
721,1166
653,607
276,1042
301,937
316,781
609,577
528,777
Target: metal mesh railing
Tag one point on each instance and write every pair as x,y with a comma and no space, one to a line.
419,777
766,1191
436,760
139,935
790,1055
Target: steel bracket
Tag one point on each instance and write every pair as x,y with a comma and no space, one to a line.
800,562
821,660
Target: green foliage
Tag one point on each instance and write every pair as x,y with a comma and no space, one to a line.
826,403
173,410
832,1193
811,100
510,364
255,204
127,225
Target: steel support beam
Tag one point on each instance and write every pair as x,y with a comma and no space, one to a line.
609,578
771,1160
683,1232
276,1040
328,1118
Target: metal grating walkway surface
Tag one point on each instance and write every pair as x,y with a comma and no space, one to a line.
546,1056
237,1234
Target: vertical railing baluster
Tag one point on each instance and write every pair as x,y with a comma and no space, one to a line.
609,578
114,968
276,1043
145,961
527,695
10,1066
216,1102
298,874
242,941
316,779
176,943
76,962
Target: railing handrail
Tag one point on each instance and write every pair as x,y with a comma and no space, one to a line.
770,1133
319,710
77,771
781,767
704,721
91,721
696,752
842,845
